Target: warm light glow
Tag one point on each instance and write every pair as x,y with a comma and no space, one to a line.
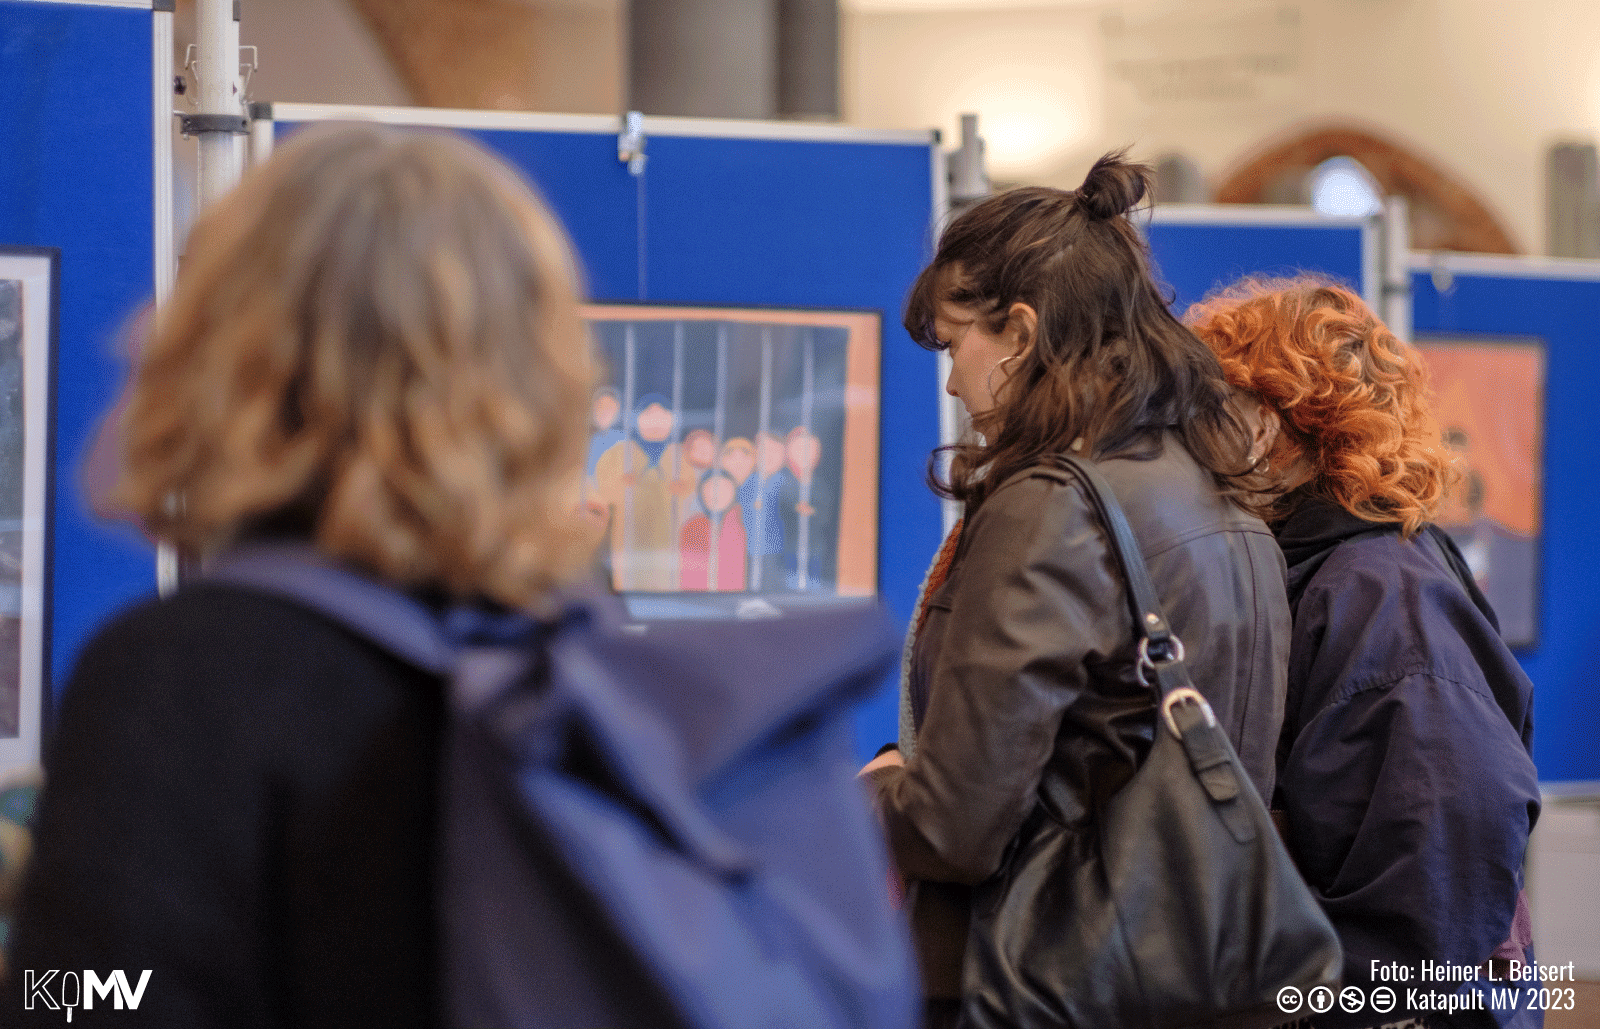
1028,125
1342,188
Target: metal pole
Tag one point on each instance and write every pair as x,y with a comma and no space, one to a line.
222,115
219,129
762,514
1396,248
807,385
166,247
263,134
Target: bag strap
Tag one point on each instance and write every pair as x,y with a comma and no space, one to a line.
1160,649
1183,708
634,743
299,572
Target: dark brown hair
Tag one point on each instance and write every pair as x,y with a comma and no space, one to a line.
1111,365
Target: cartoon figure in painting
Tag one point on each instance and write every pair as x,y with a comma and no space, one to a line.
804,564
603,412
1504,562
696,456
629,478
768,498
713,543
604,434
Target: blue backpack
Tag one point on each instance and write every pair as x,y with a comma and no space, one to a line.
644,827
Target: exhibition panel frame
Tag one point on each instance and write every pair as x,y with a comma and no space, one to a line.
86,120
1530,473
1199,248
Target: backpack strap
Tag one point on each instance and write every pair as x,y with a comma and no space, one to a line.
297,571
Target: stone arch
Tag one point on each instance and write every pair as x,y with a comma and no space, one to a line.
1445,214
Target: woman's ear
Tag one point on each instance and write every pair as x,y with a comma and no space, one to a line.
1022,326
1264,427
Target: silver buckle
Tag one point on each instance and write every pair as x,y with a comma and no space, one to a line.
1145,661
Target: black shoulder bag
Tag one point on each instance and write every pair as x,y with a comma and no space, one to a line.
1180,907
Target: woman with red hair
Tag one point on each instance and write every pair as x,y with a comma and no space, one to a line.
1404,767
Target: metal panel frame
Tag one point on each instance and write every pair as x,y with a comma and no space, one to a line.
601,124
1292,217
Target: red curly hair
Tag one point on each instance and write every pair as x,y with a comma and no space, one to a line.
1353,400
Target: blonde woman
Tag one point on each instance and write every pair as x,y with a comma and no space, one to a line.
375,351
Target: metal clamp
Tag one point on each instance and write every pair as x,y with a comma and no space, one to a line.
630,142
1146,661
247,70
196,124
1190,695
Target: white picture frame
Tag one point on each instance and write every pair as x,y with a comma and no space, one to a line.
29,325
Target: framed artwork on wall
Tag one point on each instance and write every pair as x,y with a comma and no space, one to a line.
735,453
1489,399
29,290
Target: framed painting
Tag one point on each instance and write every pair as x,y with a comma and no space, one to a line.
29,290
734,454
1489,399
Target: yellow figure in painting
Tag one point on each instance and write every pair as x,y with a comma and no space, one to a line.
633,479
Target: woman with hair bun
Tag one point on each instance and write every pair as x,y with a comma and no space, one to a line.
1025,710
1404,768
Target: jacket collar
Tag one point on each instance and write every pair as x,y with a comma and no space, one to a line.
1311,533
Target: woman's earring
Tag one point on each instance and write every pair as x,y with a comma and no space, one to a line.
988,382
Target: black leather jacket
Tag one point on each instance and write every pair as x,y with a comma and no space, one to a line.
1023,681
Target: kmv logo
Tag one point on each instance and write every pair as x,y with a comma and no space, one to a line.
56,989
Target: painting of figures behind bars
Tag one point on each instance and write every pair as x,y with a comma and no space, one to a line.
735,450
1489,399
11,481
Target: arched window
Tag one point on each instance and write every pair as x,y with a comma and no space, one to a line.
1341,187
1445,215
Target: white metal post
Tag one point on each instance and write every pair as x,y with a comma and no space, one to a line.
166,246
1396,311
219,129
263,134
216,67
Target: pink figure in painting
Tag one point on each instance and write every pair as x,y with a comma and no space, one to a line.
712,544
693,458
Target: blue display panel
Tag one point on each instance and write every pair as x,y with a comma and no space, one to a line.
1196,257
76,171
1561,311
792,223
760,222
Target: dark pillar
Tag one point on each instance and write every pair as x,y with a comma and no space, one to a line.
703,58
734,58
808,59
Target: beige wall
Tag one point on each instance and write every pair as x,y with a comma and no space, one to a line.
1481,87
568,52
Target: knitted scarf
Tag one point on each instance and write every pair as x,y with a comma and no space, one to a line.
937,573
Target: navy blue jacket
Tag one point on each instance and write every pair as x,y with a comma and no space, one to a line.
1405,764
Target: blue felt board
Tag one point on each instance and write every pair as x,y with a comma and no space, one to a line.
1565,314
1196,258
75,173
805,224
782,223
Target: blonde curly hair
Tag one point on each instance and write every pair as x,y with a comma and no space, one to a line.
375,343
